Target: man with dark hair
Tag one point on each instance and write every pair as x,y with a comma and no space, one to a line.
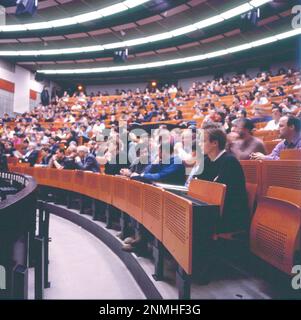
222,167
45,156
242,114
246,144
6,118
53,146
289,131
45,97
276,115
58,160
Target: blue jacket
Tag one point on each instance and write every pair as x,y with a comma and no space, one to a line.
172,173
89,164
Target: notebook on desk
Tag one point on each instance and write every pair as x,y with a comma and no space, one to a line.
171,187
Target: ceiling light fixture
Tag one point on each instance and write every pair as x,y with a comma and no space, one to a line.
242,47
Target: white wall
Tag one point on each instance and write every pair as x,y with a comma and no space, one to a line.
6,102
36,86
6,98
22,87
23,79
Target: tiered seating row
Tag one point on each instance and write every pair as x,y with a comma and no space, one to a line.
282,173
152,206
187,105
274,229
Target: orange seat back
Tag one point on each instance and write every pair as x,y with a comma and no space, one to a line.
208,191
290,154
286,194
178,229
274,232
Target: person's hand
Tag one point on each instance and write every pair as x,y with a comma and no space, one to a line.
125,172
78,159
257,156
190,162
134,174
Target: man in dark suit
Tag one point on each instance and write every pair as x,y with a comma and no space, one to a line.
58,161
53,146
45,97
85,160
222,167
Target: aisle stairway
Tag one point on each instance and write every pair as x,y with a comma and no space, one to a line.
82,267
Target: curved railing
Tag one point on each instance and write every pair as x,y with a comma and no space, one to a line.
171,219
17,231
181,224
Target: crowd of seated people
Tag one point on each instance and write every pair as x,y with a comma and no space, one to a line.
93,132
67,118
69,121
